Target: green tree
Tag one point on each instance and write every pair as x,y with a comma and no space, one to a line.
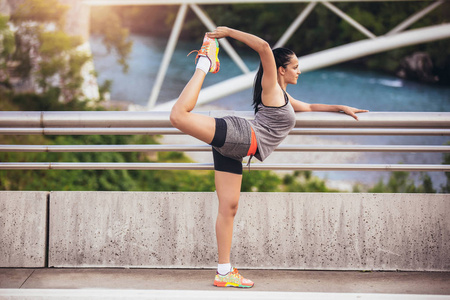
304,181
260,181
446,188
60,57
427,185
45,52
400,182
7,47
41,11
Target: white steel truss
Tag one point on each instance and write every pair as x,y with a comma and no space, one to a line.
395,38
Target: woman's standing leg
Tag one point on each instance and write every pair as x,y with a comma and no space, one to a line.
228,188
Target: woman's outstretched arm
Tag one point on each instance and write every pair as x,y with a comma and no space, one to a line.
303,106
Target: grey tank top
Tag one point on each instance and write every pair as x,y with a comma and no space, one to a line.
271,126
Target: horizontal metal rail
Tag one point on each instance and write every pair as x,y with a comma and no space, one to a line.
174,131
89,131
207,148
210,166
155,119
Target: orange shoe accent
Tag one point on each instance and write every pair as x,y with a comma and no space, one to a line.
220,283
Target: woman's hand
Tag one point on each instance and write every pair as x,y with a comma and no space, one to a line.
351,111
219,32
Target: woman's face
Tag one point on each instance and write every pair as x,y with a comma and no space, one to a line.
292,71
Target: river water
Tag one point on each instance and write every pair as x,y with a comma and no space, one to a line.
334,85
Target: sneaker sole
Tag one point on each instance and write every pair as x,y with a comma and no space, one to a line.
230,284
217,62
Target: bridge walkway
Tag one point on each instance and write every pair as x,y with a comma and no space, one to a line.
197,284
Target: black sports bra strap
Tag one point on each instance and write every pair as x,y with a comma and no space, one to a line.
286,98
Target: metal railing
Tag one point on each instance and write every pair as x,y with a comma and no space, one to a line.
157,123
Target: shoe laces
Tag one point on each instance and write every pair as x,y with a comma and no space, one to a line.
192,52
203,50
236,273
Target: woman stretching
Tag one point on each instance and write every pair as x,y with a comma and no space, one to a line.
232,138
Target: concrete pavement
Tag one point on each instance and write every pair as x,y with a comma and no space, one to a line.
53,283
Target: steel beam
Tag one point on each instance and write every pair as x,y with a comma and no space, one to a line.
167,56
349,20
411,20
223,42
295,25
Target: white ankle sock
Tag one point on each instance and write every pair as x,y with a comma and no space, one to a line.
223,269
203,64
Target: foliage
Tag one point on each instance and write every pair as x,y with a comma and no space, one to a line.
104,89
106,22
41,11
446,187
45,52
152,19
48,60
400,182
260,181
7,47
304,182
60,57
47,101
383,20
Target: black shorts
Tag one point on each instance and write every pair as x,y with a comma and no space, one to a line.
221,162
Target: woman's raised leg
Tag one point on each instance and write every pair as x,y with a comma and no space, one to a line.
199,126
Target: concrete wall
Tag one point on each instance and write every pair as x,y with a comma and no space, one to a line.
132,229
23,229
272,230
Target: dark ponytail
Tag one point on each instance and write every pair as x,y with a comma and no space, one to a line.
282,58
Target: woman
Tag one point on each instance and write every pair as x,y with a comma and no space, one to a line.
233,138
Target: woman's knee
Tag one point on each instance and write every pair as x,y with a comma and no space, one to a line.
229,209
177,116
233,210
